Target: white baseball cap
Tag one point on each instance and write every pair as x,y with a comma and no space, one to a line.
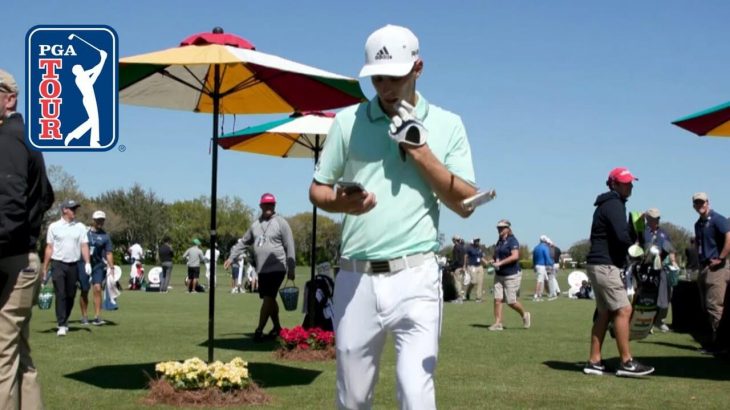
390,50
98,215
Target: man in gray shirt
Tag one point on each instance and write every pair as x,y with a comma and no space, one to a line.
194,256
273,245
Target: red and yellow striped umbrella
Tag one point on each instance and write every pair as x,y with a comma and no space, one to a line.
221,73
248,81
712,122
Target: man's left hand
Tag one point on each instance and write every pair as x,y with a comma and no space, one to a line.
290,275
87,268
406,128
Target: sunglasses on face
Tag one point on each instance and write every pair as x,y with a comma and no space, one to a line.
698,202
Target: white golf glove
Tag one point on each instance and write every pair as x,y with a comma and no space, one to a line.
87,268
406,128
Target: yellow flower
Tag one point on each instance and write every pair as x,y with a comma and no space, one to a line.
194,373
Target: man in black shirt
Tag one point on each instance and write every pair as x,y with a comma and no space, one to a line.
457,267
165,253
25,195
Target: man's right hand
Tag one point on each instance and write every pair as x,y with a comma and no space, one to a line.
356,203
227,264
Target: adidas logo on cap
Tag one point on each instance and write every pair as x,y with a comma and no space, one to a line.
383,54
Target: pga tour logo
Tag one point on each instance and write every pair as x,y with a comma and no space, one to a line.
71,88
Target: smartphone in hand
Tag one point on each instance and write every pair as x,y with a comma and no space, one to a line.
350,187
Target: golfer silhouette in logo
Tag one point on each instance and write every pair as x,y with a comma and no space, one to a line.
85,80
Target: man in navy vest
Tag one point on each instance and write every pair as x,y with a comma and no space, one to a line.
712,233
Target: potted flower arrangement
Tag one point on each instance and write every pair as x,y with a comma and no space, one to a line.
196,383
302,344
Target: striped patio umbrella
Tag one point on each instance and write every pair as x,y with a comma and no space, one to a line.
712,122
301,135
221,73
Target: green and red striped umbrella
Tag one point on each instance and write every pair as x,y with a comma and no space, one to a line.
221,73
712,122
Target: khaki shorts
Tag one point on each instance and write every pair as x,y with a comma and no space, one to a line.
506,287
608,287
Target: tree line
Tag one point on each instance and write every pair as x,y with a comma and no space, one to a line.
136,215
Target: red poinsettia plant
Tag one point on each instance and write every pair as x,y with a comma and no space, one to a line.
306,339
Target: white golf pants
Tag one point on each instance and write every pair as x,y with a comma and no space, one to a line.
367,307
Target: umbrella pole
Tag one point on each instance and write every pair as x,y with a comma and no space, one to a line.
312,292
213,211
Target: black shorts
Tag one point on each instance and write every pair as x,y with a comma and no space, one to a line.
269,283
193,272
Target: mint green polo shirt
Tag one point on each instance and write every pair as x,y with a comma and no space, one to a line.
405,219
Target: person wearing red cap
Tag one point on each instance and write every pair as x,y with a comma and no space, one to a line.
610,241
273,245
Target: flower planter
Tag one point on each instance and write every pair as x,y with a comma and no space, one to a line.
193,383
306,345
162,392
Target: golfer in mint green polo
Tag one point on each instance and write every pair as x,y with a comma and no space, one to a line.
411,157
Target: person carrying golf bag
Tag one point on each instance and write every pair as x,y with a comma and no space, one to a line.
610,239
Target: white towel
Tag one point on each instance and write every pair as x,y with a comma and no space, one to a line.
111,293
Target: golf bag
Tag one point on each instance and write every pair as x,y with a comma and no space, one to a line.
135,281
644,304
324,288
645,277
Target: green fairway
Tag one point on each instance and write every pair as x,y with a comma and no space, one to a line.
106,367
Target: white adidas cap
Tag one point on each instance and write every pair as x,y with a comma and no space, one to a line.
391,51
98,215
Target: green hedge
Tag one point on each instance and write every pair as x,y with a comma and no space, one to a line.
526,264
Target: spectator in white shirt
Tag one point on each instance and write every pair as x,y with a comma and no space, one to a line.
66,241
136,254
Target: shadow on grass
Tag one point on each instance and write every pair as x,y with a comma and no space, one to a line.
118,376
688,367
276,375
244,343
71,329
136,376
692,348
483,326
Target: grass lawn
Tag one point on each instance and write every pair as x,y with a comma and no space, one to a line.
106,367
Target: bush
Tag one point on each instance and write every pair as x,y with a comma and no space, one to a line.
526,264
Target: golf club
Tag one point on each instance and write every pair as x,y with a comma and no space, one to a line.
72,36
